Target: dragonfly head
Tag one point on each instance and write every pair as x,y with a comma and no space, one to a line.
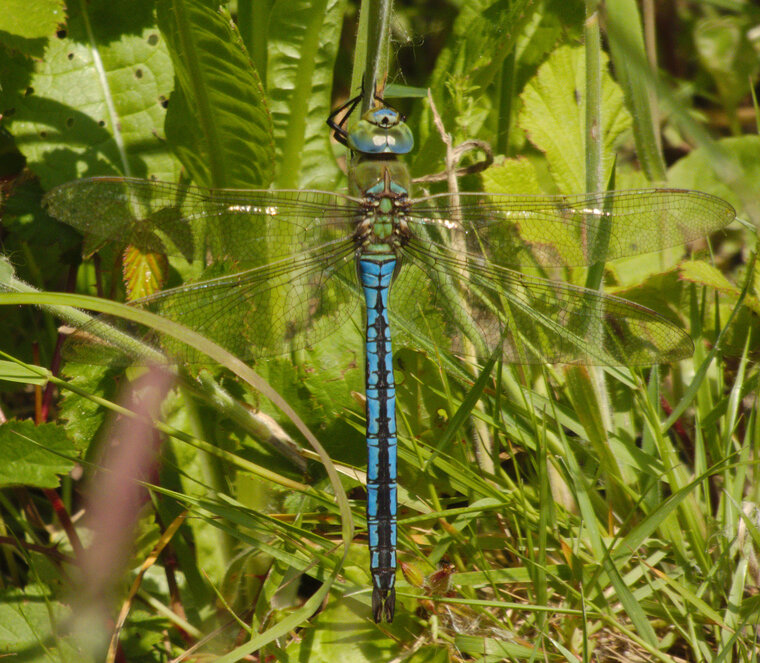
381,131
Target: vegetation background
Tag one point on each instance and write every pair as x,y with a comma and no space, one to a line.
546,513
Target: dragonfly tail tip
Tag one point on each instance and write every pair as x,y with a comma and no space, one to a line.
383,604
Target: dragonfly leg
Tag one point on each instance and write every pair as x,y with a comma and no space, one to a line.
339,133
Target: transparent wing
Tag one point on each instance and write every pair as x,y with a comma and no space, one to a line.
249,227
518,230
260,312
471,308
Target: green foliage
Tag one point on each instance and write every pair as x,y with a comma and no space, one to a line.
217,122
31,621
30,20
541,516
303,44
93,104
553,114
34,455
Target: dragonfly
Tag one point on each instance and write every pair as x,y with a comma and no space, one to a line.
287,268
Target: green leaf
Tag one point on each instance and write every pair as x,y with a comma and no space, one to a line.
143,635
431,654
496,648
553,116
511,176
31,19
28,629
326,641
696,170
624,15
13,372
702,273
93,104
484,33
33,455
725,50
81,416
217,122
303,43
144,272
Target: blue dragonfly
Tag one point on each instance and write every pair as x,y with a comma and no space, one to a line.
444,271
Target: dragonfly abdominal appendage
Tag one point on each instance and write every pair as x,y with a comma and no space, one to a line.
447,269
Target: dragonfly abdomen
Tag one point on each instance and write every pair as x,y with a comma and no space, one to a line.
376,274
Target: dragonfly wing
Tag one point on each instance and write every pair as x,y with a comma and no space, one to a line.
520,230
250,227
471,308
260,312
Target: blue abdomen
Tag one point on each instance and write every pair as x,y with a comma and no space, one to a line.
376,275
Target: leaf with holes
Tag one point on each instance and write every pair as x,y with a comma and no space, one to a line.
94,104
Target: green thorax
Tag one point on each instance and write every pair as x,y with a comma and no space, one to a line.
378,175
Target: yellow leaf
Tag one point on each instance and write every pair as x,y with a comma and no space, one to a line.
144,273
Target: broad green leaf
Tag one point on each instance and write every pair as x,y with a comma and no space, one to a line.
725,50
24,217
695,171
511,176
702,273
326,641
553,117
31,19
29,623
93,104
143,635
252,19
303,43
431,654
31,455
217,122
81,416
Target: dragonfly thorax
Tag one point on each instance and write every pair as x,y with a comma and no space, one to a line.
383,228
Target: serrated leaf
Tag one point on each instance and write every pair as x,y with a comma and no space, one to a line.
705,274
144,273
217,121
303,42
93,104
83,418
33,455
31,19
553,116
